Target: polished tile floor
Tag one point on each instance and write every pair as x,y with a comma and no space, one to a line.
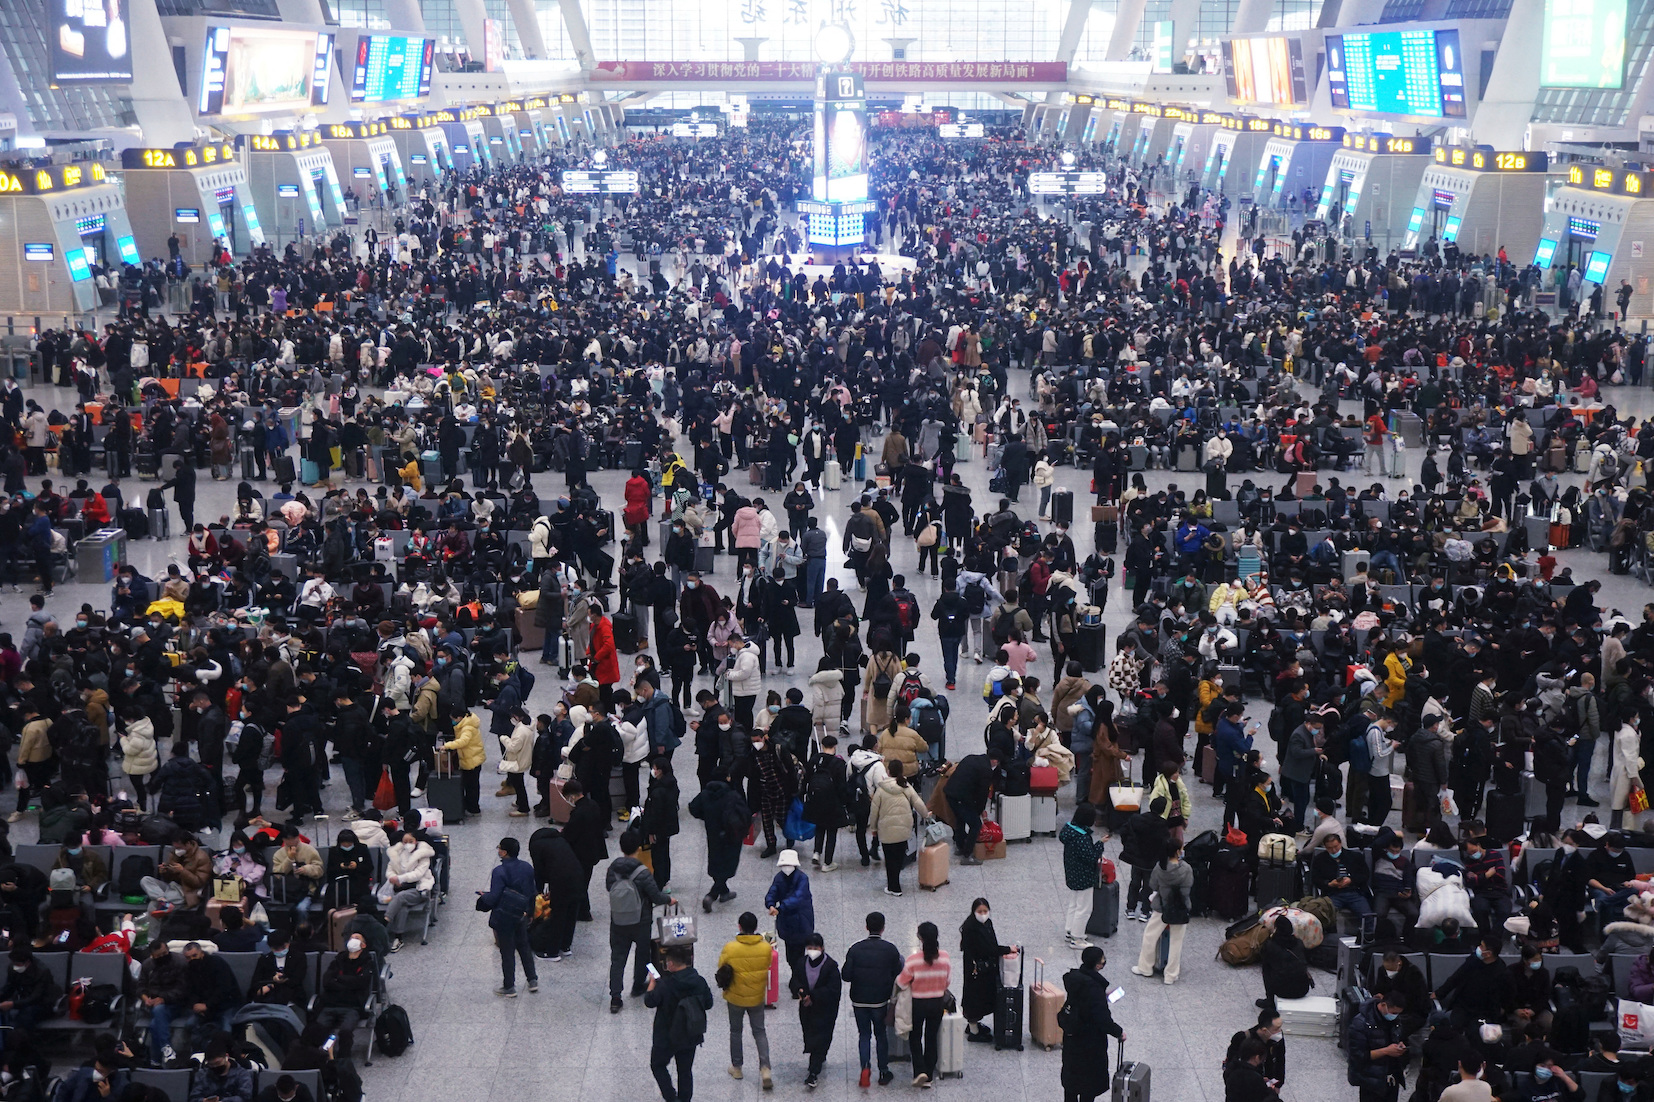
563,1043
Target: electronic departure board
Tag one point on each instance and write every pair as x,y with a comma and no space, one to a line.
392,67
1414,72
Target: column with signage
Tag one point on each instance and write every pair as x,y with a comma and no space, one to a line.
1367,190
1479,200
287,181
838,205
1595,224
62,222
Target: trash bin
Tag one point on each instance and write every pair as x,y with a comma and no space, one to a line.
97,555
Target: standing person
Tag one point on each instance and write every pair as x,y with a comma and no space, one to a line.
791,905
1080,854
926,975
827,799
727,818
633,897
1171,887
980,950
680,998
587,834
509,902
871,966
660,818
1624,776
818,986
891,817
748,959
1085,1064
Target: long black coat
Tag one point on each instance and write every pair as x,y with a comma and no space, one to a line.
824,805
818,1018
979,945
711,805
555,864
1085,1064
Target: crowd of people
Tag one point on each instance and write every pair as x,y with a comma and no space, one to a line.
1418,629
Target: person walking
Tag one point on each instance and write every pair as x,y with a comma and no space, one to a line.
1080,855
870,968
681,999
633,897
980,950
891,817
1089,1025
747,960
509,902
790,904
1171,887
817,985
926,975
727,818
827,799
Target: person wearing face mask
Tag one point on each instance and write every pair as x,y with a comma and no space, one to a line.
818,987
1377,1053
1610,877
91,872
211,989
279,975
1550,1083
346,985
981,951
1087,1025
102,1078
1270,1037
1401,977
1532,981
1481,989
1244,1079
184,871
1566,892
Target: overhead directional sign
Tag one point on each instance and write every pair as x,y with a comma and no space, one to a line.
1067,183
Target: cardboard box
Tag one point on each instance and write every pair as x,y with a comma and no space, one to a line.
984,853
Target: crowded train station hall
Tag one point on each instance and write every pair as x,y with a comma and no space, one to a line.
1207,440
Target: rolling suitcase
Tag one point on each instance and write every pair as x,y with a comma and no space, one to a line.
1188,458
136,523
249,463
950,1047
337,920
284,469
1230,898
1045,1001
934,861
561,809
1208,764
625,631
832,476
633,456
1105,910
1062,507
1277,884
1042,815
1008,1008
704,558
1506,814
160,524
1015,815
443,791
309,473
1131,1080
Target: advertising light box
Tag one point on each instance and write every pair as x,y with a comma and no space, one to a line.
1583,44
89,42
1265,71
264,71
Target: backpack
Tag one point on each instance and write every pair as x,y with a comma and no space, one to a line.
737,820
1245,945
976,598
929,725
625,900
1004,623
525,681
688,1027
97,1003
680,725
907,613
1361,758
133,870
392,1032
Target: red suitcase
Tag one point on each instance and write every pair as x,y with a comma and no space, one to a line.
1042,780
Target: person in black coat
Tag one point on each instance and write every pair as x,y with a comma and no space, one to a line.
827,796
660,818
560,876
727,817
817,986
1268,1033
1085,1065
780,612
1243,1076
968,788
279,975
980,949
1285,963
586,833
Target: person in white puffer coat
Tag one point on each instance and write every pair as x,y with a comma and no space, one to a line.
139,759
408,873
516,754
634,751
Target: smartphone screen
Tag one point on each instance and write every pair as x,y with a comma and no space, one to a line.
1115,994
653,973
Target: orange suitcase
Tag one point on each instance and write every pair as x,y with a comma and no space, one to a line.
934,861
1045,1000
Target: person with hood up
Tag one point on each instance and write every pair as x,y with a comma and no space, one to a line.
1089,1024
790,903
727,818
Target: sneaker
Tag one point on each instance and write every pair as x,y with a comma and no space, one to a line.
350,815
515,814
727,897
866,1079
15,817
555,958
396,944
615,1006
1080,943
971,860
1168,981
764,1074
886,1077
815,862
894,894
810,1083
735,1071
978,658
706,904
508,992
625,814
921,1080
533,987
829,868
416,793
167,1054
1136,971
950,686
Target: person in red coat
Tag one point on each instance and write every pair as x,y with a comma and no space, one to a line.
95,510
601,657
635,516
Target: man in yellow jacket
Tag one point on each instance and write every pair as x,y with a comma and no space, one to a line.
748,959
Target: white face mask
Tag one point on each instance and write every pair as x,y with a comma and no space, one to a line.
354,945
813,954
981,916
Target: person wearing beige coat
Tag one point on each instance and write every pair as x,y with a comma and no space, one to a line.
900,742
1068,692
891,820
875,710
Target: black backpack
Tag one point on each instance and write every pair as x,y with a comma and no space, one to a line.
688,1027
392,1032
133,871
976,598
97,1004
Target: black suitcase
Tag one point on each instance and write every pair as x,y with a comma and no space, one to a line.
1277,884
1107,535
249,463
625,631
1217,485
136,523
633,455
1506,814
443,791
1105,910
1009,1003
1088,641
1062,507
1230,898
284,469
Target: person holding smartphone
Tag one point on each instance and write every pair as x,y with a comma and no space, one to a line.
221,1079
